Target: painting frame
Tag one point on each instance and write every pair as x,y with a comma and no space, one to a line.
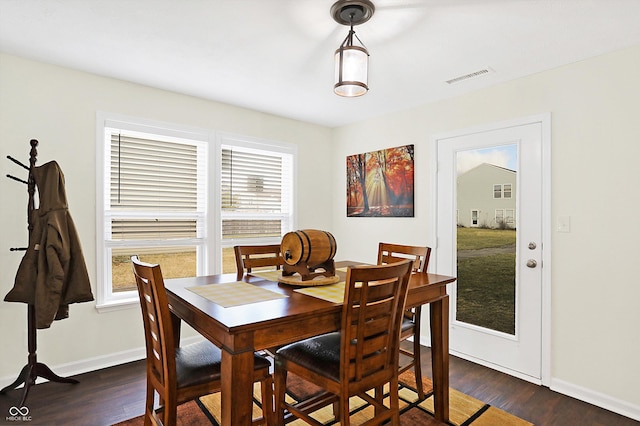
381,183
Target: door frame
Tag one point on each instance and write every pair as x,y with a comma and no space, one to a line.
545,121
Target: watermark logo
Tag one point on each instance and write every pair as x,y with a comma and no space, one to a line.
18,414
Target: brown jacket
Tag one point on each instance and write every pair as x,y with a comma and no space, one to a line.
52,273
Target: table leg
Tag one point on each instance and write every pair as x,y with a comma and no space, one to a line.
439,316
237,388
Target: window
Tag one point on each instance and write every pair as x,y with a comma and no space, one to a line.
502,190
506,190
504,218
497,191
510,215
175,196
256,193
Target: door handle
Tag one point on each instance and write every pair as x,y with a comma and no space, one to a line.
532,263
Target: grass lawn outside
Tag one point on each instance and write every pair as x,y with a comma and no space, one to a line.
486,278
173,265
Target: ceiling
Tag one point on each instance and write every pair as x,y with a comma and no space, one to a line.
276,56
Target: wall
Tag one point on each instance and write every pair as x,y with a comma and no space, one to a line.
595,289
58,107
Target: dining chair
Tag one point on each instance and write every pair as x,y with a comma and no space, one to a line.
180,374
257,256
390,253
362,356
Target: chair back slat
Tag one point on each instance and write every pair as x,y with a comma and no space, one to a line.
375,297
257,256
392,253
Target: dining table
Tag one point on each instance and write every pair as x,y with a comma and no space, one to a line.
259,312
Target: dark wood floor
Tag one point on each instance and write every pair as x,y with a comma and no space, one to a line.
108,396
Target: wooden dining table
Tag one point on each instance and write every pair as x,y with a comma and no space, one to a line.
241,330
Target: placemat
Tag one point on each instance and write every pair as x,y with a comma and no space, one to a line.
332,293
235,293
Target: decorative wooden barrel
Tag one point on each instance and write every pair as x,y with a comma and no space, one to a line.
308,246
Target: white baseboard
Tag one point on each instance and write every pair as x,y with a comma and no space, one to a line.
583,394
596,398
97,363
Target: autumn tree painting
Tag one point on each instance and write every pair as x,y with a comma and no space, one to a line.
380,183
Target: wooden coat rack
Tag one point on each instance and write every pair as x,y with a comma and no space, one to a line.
33,369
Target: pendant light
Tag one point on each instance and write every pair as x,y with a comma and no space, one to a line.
351,61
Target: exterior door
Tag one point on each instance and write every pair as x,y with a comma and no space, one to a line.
490,228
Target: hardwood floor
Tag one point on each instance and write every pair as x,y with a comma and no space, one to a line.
111,395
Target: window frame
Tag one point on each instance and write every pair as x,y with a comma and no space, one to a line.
107,299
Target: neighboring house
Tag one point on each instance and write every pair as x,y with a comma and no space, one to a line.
487,197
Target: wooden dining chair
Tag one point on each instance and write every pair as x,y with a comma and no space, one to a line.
181,374
257,256
390,253
362,356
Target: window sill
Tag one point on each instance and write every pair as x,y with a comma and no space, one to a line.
118,305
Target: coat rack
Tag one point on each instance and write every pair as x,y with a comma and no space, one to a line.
33,369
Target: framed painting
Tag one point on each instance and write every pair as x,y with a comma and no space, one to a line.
380,183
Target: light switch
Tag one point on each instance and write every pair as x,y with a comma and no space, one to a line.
564,223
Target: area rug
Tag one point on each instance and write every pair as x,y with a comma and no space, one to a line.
463,409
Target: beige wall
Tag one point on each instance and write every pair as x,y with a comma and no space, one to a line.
594,110
58,107
595,144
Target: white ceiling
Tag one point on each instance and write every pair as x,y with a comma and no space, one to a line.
276,56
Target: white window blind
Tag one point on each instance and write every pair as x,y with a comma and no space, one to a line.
153,175
255,193
154,188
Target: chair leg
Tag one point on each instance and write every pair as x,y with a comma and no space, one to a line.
344,410
394,402
280,387
267,400
149,405
417,366
170,413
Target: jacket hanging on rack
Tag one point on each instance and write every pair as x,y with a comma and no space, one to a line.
52,273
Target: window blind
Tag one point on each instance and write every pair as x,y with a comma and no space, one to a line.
255,193
153,175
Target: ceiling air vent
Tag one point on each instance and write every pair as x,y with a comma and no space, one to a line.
468,76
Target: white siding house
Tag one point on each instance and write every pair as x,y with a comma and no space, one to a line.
487,197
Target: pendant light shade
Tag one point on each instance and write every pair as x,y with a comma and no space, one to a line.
352,68
351,61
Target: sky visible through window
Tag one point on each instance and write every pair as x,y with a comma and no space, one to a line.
503,156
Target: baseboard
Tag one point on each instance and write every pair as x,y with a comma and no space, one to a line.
97,363
596,398
583,394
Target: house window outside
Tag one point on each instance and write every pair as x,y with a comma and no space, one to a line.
169,195
510,215
506,190
499,217
497,191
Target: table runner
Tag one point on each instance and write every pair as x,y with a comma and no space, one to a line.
274,275
235,294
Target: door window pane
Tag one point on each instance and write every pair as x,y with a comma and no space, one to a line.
486,245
